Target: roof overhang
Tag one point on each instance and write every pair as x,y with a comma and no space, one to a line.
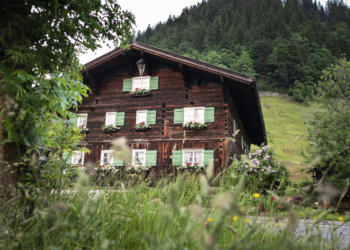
243,88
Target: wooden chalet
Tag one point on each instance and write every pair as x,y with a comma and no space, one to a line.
180,90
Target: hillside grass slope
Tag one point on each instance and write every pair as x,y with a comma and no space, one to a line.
286,132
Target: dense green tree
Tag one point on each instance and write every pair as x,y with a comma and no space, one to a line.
302,27
330,129
39,68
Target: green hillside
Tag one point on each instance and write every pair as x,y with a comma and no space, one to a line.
286,131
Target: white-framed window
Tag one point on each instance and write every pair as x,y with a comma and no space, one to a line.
78,157
194,114
193,156
141,116
110,118
106,157
140,82
82,120
139,157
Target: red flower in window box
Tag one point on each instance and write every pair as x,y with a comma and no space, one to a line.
137,89
191,122
188,164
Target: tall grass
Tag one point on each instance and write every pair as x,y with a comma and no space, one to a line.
188,213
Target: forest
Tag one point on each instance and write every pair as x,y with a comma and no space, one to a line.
284,44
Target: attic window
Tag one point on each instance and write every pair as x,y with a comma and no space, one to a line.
141,66
140,82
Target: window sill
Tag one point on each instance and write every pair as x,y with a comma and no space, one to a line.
140,95
198,128
141,129
111,131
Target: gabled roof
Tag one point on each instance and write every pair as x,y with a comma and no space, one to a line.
243,88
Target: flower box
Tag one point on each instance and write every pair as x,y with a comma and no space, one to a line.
195,128
110,129
142,129
140,92
84,130
138,95
141,126
194,125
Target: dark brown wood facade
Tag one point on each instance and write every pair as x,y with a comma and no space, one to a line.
178,88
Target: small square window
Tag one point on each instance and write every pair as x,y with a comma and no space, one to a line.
106,157
139,157
78,157
82,120
110,118
140,82
194,115
192,156
141,116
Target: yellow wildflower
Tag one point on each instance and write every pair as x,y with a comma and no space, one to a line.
315,218
140,178
313,209
281,224
340,219
235,218
205,223
337,213
210,219
145,179
248,221
250,198
107,197
285,212
278,210
136,175
256,195
19,240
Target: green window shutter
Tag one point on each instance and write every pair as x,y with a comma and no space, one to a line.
117,162
127,85
151,158
151,116
119,118
208,157
178,115
177,157
209,114
67,159
73,120
154,83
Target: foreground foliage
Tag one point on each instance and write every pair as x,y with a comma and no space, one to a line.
185,214
330,129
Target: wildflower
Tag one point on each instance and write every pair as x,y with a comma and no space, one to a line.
313,209
278,207
19,240
263,170
256,195
340,219
337,213
251,169
248,221
285,212
250,198
315,218
205,223
272,198
269,167
140,178
136,175
145,179
259,206
267,158
278,210
246,166
210,219
235,218
274,171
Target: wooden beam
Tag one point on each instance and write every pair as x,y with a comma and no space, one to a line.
147,62
93,82
184,75
129,64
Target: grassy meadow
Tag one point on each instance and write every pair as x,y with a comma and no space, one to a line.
184,214
287,132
